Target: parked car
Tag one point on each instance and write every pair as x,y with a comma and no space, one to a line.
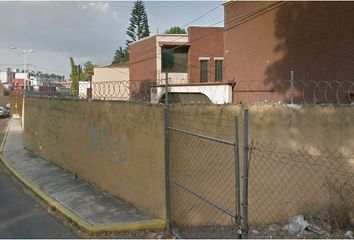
4,111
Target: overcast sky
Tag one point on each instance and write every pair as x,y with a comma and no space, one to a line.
85,30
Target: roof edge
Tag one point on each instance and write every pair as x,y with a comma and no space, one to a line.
158,35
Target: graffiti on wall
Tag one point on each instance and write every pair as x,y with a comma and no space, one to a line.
101,140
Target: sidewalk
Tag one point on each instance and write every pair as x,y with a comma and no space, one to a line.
83,203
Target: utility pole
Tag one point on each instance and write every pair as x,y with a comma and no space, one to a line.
25,52
78,78
79,72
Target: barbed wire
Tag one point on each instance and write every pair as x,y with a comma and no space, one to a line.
305,91
137,91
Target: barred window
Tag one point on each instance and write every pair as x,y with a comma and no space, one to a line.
204,70
218,70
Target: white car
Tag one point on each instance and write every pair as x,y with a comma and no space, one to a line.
4,112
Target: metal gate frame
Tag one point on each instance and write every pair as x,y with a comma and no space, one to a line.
241,219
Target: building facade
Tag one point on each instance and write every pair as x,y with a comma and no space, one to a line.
111,82
264,41
188,58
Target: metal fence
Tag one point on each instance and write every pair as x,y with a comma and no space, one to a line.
306,192
211,193
204,180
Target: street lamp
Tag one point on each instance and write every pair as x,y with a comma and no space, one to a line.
25,52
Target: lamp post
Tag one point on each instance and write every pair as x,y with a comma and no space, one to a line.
25,52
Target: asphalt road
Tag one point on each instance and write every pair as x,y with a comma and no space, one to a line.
22,216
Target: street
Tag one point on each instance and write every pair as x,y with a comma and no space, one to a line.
21,216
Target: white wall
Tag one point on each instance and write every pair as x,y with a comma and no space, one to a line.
218,94
3,77
83,86
20,75
175,78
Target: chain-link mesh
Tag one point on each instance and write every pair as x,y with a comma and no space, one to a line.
203,185
309,182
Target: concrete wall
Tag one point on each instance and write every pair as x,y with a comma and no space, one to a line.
116,146
265,40
276,192
119,147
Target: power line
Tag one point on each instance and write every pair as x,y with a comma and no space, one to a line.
201,16
236,21
255,14
237,18
196,19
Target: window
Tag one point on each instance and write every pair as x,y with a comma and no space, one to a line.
174,59
204,70
218,70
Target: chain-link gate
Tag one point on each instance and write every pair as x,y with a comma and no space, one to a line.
204,184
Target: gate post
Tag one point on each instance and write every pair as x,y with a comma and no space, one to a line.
245,176
292,87
167,163
237,179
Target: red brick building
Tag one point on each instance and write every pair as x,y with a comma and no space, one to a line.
264,41
260,44
181,55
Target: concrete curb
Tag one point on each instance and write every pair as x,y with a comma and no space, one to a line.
5,136
129,226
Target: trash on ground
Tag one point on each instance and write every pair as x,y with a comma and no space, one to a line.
315,229
296,224
349,234
274,227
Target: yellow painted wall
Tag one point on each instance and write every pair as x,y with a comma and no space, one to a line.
119,147
107,74
116,146
295,152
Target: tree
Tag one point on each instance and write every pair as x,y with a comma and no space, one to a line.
139,26
121,56
88,71
74,77
138,29
175,30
